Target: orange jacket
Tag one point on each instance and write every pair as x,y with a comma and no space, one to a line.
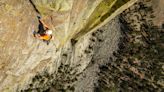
45,37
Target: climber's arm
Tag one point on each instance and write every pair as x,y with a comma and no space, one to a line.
44,24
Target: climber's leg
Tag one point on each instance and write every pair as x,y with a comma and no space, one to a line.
34,33
41,29
48,42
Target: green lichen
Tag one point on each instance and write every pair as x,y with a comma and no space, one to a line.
103,11
46,7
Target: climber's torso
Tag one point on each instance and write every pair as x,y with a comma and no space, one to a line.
45,37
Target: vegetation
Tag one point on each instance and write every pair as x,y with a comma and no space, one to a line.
137,66
139,63
61,81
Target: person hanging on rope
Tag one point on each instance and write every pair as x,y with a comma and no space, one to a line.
44,33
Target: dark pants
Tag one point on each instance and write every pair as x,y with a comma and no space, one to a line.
41,30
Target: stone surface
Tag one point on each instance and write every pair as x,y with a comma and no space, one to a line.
28,64
22,56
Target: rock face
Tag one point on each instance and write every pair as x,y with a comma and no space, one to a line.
16,41
22,56
81,64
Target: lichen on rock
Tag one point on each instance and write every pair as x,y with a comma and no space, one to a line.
87,35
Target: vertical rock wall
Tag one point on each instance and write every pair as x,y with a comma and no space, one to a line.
22,56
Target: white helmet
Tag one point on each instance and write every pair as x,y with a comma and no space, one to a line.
49,32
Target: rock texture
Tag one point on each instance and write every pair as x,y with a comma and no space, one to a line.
22,56
108,59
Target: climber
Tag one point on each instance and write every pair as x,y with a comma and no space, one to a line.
44,33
